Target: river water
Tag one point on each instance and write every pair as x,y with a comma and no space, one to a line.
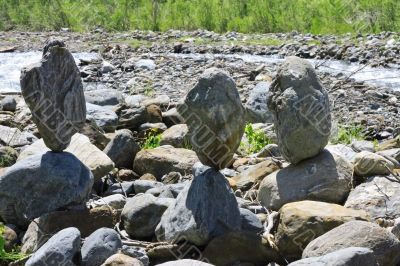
12,63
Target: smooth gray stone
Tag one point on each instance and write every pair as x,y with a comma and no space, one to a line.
9,104
99,246
122,149
61,249
352,256
184,262
379,196
142,213
42,183
215,117
104,117
206,208
104,97
250,221
301,110
385,245
141,186
53,92
326,177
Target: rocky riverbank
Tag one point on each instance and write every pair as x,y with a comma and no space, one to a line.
140,155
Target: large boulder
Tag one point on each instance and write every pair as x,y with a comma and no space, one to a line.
42,183
61,249
379,196
99,246
301,110
53,92
206,208
385,245
163,160
86,221
132,118
256,105
215,118
122,149
141,215
301,222
326,177
96,160
353,256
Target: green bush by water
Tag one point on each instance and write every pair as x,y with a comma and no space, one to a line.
316,16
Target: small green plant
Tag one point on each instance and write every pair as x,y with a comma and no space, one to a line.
149,91
152,140
7,257
347,134
256,140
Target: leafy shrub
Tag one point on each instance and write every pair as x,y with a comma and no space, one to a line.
255,140
347,134
152,140
7,257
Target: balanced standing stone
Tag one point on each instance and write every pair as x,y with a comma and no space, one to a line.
215,118
53,92
301,110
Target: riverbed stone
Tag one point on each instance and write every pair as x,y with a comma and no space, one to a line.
163,160
301,110
215,117
61,249
379,196
385,245
9,104
41,184
369,164
141,215
104,117
96,160
352,256
176,136
301,222
14,137
99,246
53,92
206,208
86,220
255,174
122,149
122,260
104,97
326,177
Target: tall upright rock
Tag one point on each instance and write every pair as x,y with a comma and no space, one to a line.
53,91
301,110
215,117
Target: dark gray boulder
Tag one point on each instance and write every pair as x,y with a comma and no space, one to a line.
53,92
99,246
61,249
301,110
122,149
42,183
206,208
141,214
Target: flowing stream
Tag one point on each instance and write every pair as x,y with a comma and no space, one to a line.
11,64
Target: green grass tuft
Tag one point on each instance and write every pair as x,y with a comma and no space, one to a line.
256,140
7,257
347,134
152,140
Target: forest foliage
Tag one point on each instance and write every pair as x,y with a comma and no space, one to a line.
315,16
